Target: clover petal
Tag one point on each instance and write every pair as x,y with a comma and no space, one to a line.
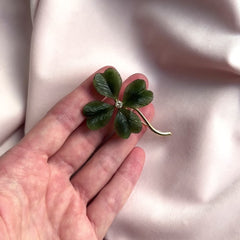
134,121
108,83
98,114
136,95
127,122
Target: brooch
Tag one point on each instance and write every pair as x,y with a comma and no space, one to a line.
127,119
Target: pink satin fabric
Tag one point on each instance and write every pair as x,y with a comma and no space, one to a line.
189,50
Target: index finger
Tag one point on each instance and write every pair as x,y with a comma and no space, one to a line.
51,132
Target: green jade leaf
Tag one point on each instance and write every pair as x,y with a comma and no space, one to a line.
127,122
98,114
121,125
136,95
108,83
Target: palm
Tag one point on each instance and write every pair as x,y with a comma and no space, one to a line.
49,205
44,195
53,206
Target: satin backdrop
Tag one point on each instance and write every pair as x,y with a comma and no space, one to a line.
190,52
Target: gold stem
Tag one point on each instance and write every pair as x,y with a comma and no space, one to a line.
150,126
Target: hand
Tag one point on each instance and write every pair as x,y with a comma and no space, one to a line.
63,181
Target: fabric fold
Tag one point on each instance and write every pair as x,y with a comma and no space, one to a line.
190,35
15,36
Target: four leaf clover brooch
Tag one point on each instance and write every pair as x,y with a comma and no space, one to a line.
127,120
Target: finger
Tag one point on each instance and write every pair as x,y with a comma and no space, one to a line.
104,163
52,131
104,208
83,142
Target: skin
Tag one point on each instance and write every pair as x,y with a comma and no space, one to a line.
49,191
